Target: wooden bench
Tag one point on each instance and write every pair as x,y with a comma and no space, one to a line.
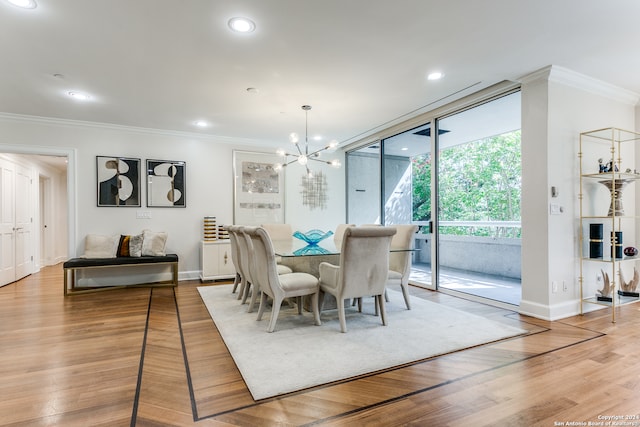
75,264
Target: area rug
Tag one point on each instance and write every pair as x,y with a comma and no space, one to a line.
300,355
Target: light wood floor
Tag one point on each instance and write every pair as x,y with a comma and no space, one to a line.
153,357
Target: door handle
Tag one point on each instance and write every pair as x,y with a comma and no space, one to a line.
19,228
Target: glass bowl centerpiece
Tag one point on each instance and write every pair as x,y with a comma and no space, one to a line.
312,237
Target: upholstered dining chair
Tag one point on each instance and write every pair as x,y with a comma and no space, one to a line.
278,231
338,235
363,269
278,287
248,286
244,251
235,258
400,261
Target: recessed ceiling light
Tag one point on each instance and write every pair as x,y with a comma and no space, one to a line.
201,123
79,95
242,25
25,4
404,148
435,76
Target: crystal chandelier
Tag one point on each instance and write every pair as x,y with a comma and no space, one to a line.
303,155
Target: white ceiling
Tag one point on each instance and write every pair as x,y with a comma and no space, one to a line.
361,64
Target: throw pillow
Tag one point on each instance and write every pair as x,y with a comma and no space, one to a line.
100,246
135,245
130,246
153,243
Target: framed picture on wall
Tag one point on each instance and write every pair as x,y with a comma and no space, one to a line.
166,184
118,181
258,195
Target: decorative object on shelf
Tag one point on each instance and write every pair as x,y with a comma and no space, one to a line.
312,237
616,186
595,240
118,181
314,191
630,251
628,289
223,233
166,183
302,157
609,167
210,229
616,244
605,292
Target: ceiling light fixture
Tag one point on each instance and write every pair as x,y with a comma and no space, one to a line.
435,76
242,25
25,4
79,95
303,156
201,123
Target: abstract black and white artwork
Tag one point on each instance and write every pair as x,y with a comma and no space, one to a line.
118,181
166,183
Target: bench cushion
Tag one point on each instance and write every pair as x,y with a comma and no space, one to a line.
103,262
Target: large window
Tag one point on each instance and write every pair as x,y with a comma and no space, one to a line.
473,183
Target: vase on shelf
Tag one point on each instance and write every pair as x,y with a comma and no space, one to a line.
615,186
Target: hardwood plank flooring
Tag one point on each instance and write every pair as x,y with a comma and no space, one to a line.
153,357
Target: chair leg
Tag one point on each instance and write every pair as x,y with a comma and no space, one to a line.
383,314
263,305
254,298
299,304
236,282
320,300
275,310
315,308
243,288
246,291
341,314
386,295
405,294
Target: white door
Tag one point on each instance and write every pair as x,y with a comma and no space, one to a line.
7,223
24,223
16,226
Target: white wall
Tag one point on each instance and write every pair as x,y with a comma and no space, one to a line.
557,105
209,181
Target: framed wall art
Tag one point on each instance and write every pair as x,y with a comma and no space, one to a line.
258,195
166,184
118,181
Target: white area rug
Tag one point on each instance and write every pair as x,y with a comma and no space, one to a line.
299,354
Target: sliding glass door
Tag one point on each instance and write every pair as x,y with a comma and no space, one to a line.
406,189
479,181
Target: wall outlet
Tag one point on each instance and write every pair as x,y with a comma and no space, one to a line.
565,286
554,287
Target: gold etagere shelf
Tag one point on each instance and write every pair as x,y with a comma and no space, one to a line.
607,160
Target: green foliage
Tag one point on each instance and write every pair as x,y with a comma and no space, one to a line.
478,181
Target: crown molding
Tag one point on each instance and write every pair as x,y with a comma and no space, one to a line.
21,118
564,76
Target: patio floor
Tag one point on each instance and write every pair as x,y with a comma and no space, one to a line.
482,285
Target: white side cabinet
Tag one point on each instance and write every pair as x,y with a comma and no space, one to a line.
215,260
